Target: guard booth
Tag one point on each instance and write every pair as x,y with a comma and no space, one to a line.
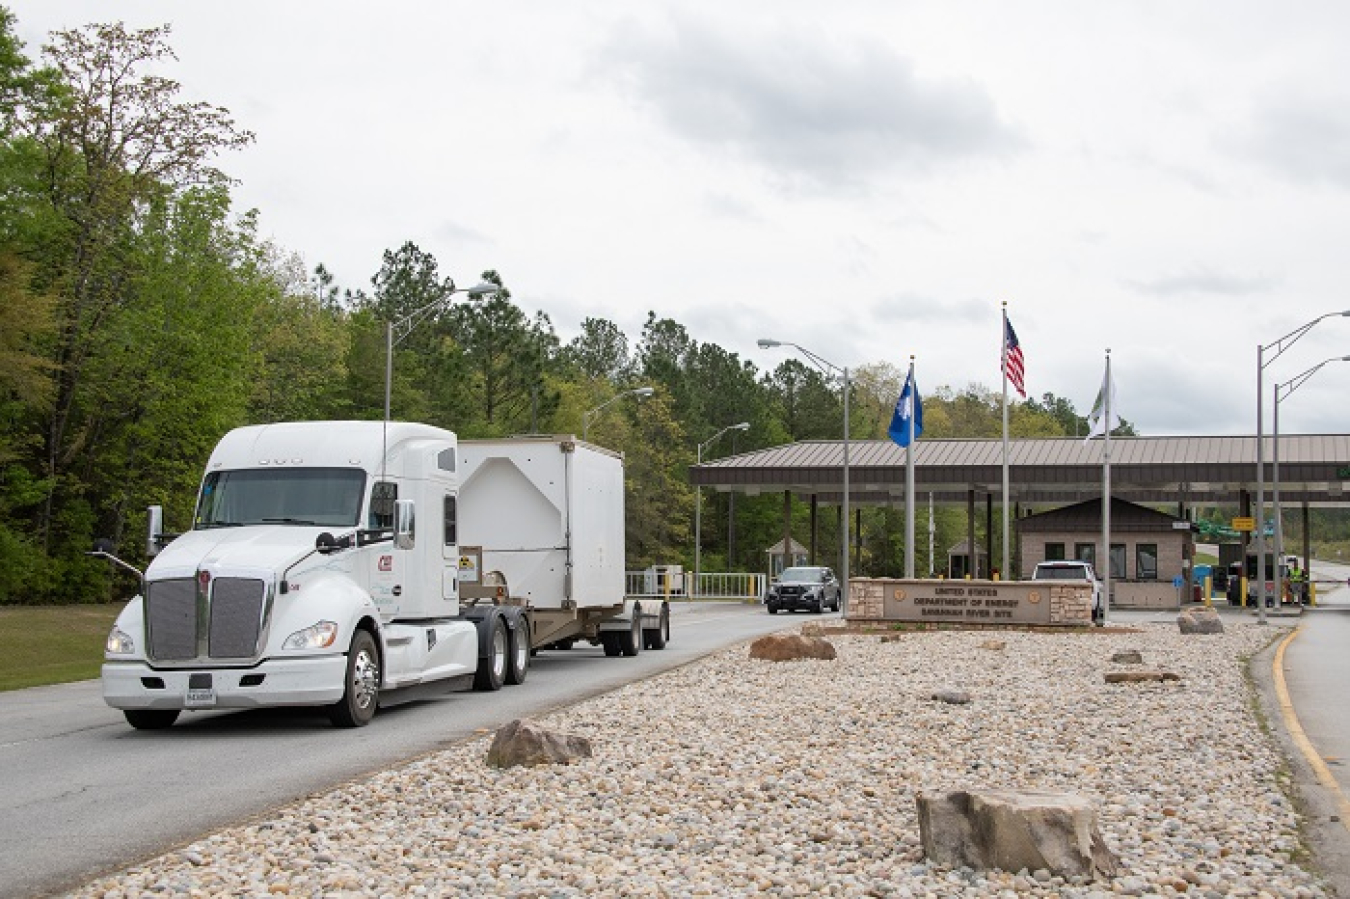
958,561
778,560
1150,550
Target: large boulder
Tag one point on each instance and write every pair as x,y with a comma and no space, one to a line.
1200,621
1014,830
787,647
524,742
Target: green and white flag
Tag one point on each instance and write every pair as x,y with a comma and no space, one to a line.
1103,418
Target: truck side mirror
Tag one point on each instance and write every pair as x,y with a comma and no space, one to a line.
155,515
405,524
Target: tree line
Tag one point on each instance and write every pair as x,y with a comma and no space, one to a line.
142,317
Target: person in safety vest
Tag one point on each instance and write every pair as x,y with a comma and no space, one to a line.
1297,581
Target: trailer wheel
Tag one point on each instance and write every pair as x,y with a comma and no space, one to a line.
610,641
519,664
631,641
151,719
492,667
659,636
361,694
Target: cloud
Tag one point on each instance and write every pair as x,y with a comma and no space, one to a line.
1202,280
913,308
724,205
808,109
1301,138
455,233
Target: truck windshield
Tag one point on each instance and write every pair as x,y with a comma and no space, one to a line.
327,497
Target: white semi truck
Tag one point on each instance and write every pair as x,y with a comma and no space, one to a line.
354,565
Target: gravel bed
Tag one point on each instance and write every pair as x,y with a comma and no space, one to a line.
733,777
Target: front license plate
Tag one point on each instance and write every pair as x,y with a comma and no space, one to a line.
201,699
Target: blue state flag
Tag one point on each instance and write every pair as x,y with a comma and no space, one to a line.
909,408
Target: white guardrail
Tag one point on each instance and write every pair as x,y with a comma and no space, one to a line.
744,587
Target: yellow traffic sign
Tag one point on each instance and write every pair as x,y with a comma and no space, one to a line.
1244,524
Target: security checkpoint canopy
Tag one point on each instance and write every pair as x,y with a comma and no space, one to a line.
1313,468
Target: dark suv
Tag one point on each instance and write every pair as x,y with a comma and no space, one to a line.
810,588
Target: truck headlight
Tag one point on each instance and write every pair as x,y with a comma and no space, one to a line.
316,636
119,643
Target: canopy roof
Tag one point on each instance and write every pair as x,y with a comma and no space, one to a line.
1045,471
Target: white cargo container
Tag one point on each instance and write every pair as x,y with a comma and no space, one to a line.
543,517
359,564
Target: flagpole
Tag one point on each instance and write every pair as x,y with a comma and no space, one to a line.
1003,339
932,529
1106,494
909,475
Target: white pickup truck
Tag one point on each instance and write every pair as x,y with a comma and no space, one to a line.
1073,570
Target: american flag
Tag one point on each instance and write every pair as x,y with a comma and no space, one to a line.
1013,367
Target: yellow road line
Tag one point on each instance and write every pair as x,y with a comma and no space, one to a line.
1295,729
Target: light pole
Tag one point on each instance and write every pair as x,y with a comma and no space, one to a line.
827,366
1287,387
1279,346
396,331
639,392
698,501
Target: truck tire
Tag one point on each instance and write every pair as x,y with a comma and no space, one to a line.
518,666
361,691
491,673
609,640
151,719
630,642
659,636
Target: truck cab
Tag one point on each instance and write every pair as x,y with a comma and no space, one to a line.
321,569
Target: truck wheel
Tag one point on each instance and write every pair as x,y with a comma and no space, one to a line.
492,667
151,719
659,636
631,641
361,694
519,664
610,642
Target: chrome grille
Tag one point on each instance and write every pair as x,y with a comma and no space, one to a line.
233,618
171,616
236,617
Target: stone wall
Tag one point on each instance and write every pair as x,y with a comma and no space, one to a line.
970,602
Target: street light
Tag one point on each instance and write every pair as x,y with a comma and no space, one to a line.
827,366
1279,346
396,331
639,392
1288,387
698,500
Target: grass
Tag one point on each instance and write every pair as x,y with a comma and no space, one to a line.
52,644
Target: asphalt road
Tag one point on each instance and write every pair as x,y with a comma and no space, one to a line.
82,793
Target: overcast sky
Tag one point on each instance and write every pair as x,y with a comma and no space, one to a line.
868,179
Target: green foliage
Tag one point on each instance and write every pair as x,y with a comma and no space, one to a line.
504,357
659,501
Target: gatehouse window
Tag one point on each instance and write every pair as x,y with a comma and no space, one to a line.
1086,552
1118,561
1054,552
1146,561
